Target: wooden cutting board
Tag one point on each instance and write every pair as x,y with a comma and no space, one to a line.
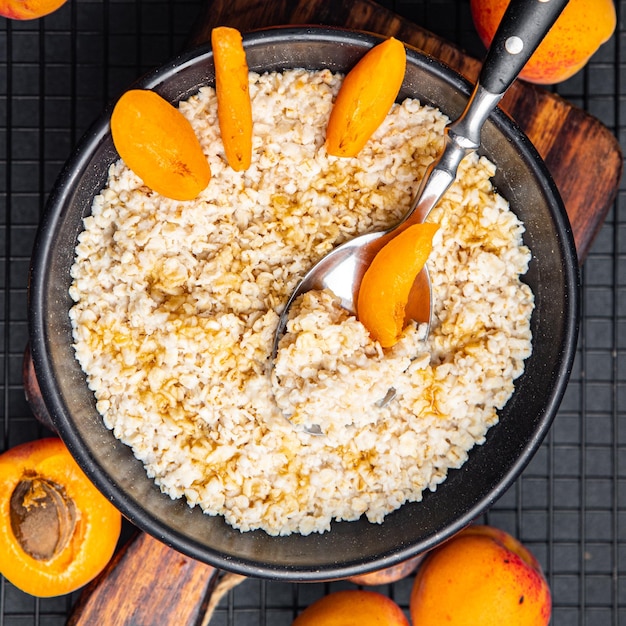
146,584
582,155
149,584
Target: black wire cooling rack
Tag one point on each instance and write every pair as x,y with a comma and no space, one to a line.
568,507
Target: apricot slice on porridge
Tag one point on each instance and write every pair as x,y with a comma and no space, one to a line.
387,282
57,531
159,145
367,93
234,109
352,607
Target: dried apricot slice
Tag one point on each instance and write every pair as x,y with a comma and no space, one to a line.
234,109
387,282
158,143
57,531
367,93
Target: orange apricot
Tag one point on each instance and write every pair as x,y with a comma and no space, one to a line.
57,531
367,93
352,607
577,34
158,143
28,9
483,576
387,282
234,109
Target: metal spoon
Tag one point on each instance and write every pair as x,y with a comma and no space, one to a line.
523,27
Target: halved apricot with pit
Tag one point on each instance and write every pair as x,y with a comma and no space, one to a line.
57,531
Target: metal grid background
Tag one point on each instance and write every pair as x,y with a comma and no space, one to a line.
569,506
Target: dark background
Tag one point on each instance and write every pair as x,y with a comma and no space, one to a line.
569,506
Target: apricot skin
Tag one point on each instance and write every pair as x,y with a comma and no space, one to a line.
579,31
352,607
28,9
481,576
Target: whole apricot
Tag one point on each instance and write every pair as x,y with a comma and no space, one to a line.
28,9
482,576
577,34
352,607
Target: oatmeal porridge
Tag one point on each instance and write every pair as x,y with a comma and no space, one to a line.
176,303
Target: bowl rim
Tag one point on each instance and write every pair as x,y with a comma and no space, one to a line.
144,519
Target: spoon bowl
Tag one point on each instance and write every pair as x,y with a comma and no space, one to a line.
341,271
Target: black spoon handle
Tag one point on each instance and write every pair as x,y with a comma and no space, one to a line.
523,26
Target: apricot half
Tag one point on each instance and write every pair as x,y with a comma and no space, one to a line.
387,282
57,531
482,576
352,607
28,9
159,144
367,93
577,34
234,109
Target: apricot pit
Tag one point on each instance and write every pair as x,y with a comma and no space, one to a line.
43,518
389,574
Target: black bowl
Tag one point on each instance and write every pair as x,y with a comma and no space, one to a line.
350,547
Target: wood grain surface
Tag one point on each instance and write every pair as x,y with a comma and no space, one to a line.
146,584
582,155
